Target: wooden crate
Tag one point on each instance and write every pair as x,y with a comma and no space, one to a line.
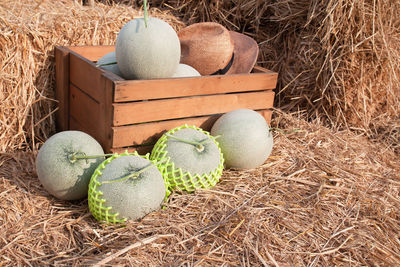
133,114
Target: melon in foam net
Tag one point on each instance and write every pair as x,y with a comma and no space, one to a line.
245,138
59,168
191,159
125,187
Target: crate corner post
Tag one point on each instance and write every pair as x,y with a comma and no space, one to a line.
61,55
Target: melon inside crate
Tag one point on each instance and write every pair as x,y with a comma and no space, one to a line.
133,114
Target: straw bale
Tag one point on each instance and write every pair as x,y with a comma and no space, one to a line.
29,31
339,60
323,198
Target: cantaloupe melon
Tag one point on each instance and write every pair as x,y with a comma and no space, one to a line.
125,187
191,159
245,138
147,52
184,70
107,59
61,175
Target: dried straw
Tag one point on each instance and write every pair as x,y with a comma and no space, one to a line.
323,198
338,61
29,31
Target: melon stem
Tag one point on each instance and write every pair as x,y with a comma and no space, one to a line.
145,12
199,145
74,157
133,175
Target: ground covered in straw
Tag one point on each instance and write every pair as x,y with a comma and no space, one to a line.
323,198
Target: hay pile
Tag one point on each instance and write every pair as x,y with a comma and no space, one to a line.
29,30
323,198
338,60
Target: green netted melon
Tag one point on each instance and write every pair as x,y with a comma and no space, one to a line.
147,52
61,175
245,138
125,187
107,59
184,70
184,165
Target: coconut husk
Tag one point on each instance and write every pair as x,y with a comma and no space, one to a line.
323,198
29,32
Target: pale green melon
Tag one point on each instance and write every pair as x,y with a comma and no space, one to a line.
245,138
109,58
147,52
125,199
184,70
186,166
62,177
188,157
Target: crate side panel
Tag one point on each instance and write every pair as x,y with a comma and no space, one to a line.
86,76
76,124
204,85
149,133
156,110
92,53
85,111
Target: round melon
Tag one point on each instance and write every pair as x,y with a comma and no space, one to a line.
60,175
109,58
184,70
147,52
185,165
245,138
125,187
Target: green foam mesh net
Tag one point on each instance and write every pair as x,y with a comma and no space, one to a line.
97,206
176,178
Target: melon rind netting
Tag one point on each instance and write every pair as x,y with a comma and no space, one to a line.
175,178
97,207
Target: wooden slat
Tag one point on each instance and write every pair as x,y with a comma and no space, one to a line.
130,90
62,87
149,133
92,53
86,76
75,124
156,110
85,111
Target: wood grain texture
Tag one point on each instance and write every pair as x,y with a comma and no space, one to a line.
129,90
106,112
86,112
156,110
92,53
149,133
62,87
86,76
76,124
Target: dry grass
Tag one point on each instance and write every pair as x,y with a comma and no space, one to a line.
323,198
29,31
338,61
